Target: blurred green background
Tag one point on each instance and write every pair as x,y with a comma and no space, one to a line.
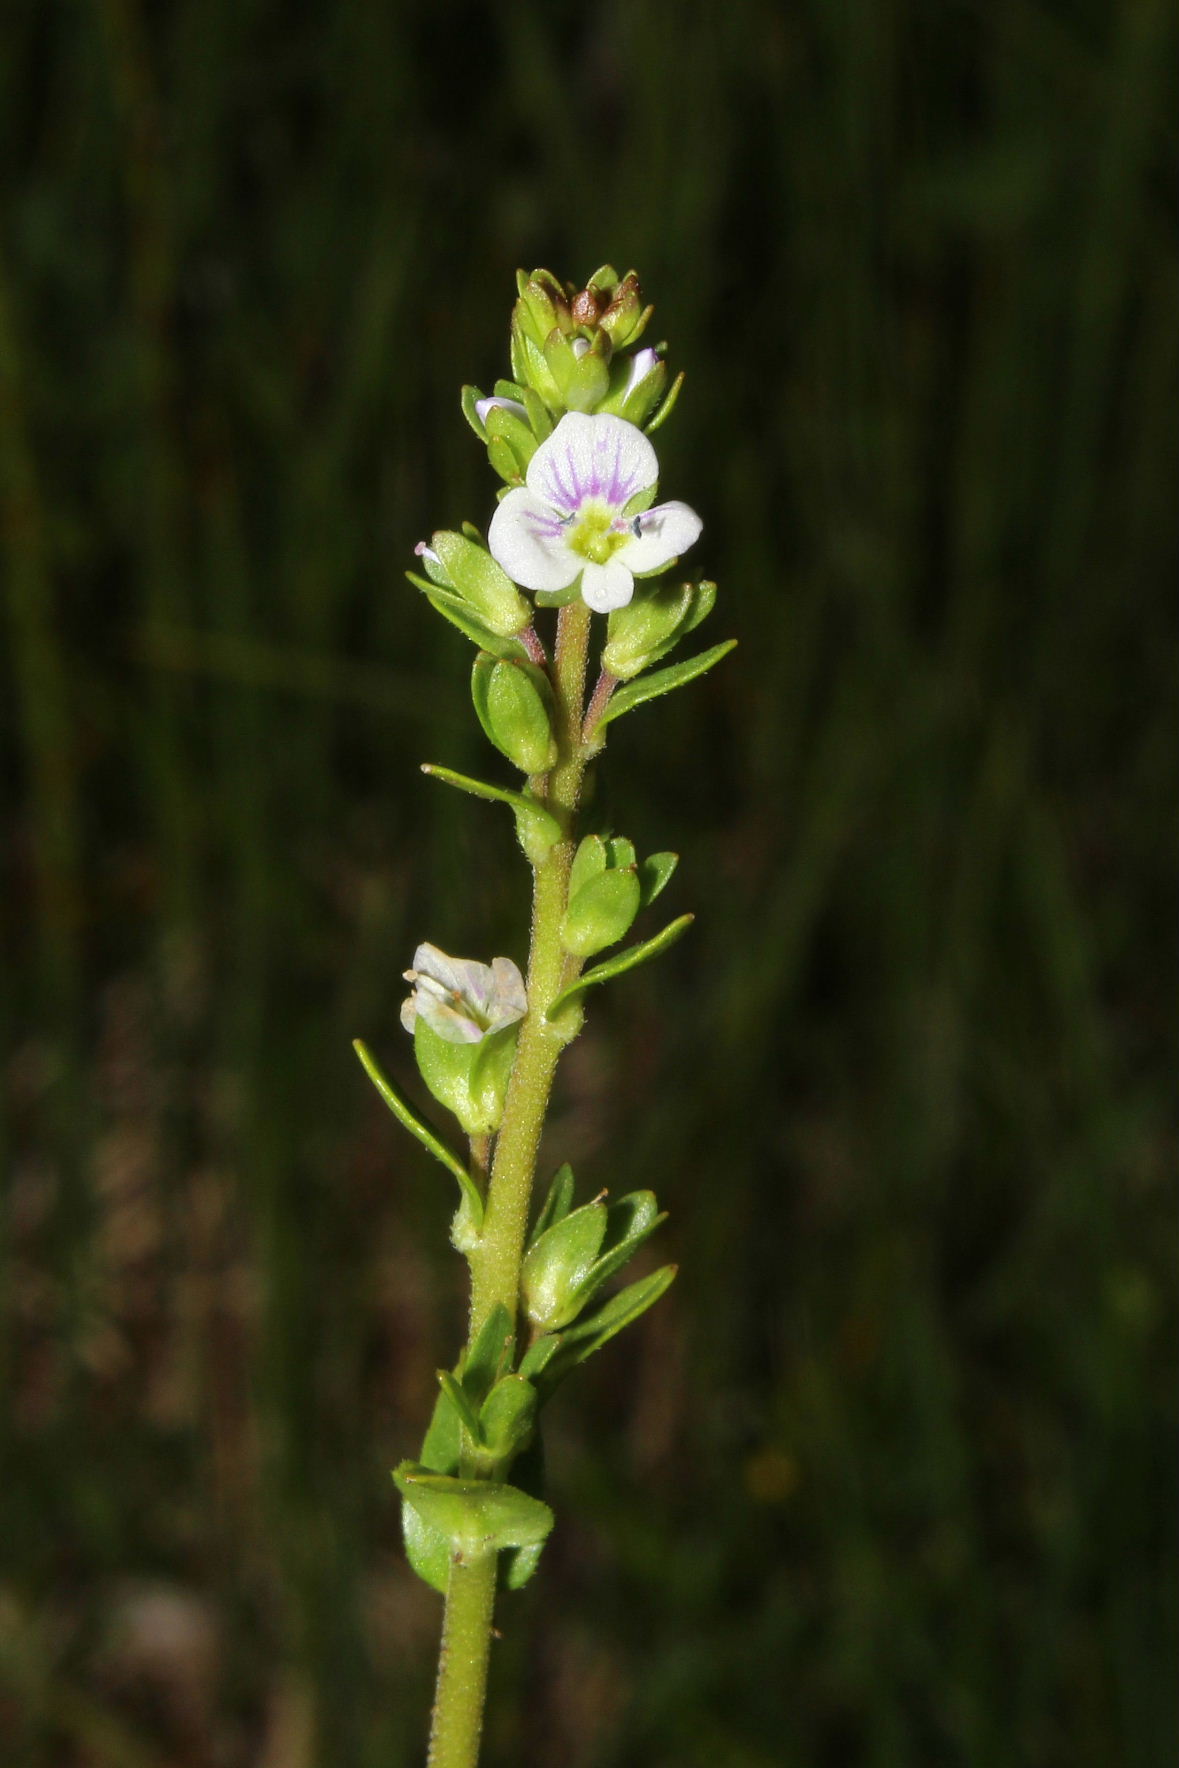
888,1479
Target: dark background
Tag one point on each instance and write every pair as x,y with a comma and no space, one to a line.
888,1479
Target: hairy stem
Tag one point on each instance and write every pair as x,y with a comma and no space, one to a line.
495,1262
462,1664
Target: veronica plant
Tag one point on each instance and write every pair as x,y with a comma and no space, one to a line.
577,530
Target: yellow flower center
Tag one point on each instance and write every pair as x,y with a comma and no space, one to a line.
594,535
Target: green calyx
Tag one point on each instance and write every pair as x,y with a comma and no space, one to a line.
653,623
607,888
464,567
469,1079
514,704
569,1262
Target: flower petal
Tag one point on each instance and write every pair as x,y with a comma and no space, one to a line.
663,534
497,403
609,586
527,538
598,456
509,1001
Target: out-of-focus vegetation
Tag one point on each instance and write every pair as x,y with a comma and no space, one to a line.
890,1481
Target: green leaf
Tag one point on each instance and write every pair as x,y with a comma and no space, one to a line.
453,608
538,829
517,1566
410,1121
539,1355
654,873
648,687
503,461
557,1204
489,1357
558,1263
467,1415
538,417
629,1222
507,1418
475,1516
558,598
591,1334
669,404
468,399
428,1552
627,960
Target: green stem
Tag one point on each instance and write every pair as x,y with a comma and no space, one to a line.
462,1664
495,1262
495,1265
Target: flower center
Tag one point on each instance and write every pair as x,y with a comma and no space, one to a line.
598,532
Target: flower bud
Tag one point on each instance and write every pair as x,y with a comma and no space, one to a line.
637,385
557,1265
601,912
469,569
514,703
655,620
580,368
507,423
625,318
529,366
541,306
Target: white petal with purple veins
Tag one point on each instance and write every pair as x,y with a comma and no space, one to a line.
527,537
662,534
600,457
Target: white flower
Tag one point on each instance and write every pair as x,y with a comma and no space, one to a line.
569,518
461,1000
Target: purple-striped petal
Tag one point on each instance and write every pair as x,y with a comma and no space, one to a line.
663,534
527,537
595,456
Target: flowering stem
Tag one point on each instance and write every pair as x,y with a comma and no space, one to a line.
495,1262
599,700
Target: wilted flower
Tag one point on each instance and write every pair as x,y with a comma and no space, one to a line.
570,518
461,1000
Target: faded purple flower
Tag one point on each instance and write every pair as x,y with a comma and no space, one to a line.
461,1000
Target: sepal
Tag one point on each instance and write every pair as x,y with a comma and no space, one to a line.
557,1203
514,704
653,623
452,607
458,563
602,911
469,1079
569,1262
